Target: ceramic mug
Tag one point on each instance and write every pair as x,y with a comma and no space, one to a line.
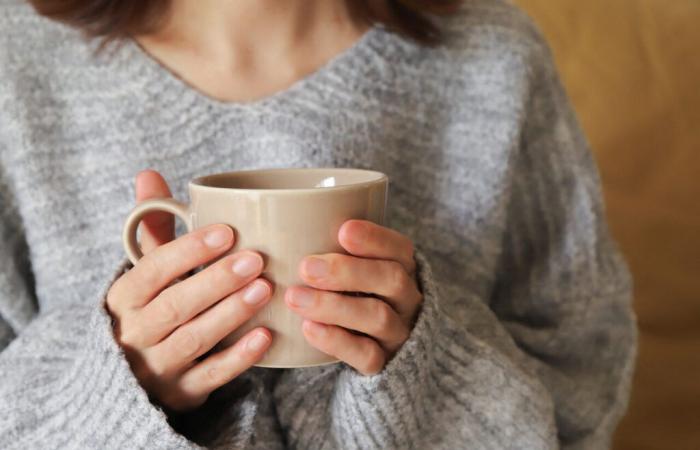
285,215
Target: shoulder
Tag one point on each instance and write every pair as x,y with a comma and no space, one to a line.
37,54
21,23
28,38
490,25
504,64
492,40
492,58
20,15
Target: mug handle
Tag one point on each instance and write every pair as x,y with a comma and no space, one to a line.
131,225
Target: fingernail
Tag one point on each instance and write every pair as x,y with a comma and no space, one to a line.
316,267
217,237
301,298
256,293
247,265
257,342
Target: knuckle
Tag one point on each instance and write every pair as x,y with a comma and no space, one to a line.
130,337
168,313
187,343
111,299
236,307
157,370
397,279
320,298
149,270
214,376
383,317
221,271
374,360
151,366
193,243
129,334
335,303
119,291
232,306
335,262
243,358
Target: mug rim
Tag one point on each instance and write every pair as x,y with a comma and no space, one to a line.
200,182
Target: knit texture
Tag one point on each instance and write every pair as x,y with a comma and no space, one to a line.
526,338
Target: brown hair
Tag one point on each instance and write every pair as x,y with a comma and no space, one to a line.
115,19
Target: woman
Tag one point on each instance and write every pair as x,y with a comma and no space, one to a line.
509,326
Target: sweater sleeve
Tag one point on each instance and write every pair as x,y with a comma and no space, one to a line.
564,291
543,361
64,381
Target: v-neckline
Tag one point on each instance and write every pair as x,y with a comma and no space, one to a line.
164,78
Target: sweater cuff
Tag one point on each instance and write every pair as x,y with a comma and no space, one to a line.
104,402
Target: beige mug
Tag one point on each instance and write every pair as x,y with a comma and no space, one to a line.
285,214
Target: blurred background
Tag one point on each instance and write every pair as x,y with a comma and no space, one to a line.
632,70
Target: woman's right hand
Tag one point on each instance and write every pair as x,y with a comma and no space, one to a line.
164,325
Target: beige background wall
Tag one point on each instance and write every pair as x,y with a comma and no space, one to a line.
632,69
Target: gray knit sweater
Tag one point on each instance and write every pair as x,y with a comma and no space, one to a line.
526,339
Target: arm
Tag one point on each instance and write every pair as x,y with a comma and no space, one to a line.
564,290
543,361
65,382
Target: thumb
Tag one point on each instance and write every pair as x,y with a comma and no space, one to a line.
157,228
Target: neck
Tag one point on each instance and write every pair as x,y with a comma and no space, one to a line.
237,33
239,50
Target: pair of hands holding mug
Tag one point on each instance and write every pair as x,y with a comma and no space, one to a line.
165,325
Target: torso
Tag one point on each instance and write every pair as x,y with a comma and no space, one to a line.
78,128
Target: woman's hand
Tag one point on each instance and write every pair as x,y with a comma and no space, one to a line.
364,331
165,325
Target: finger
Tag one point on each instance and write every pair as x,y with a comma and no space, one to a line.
157,227
222,367
364,314
369,240
338,272
360,352
201,334
157,269
184,300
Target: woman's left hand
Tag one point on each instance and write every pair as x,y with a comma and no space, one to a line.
364,331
